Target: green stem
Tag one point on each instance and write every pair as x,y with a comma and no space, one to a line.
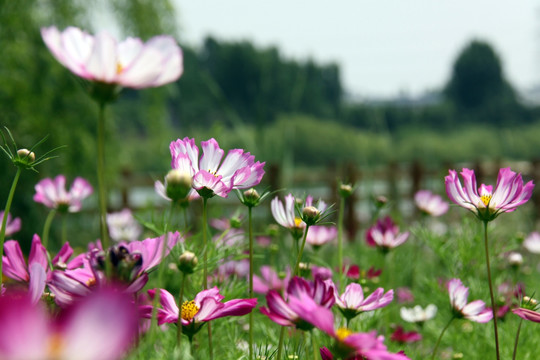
280,344
340,243
205,268
47,228
316,353
299,258
102,189
439,339
161,268
517,340
64,229
6,212
251,294
493,304
180,302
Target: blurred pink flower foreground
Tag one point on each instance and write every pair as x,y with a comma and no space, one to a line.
130,63
484,202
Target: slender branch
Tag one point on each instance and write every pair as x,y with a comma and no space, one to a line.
340,243
493,304
6,212
102,188
517,340
205,268
47,228
180,301
280,344
251,294
440,337
299,258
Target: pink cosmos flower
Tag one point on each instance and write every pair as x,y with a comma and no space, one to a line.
348,345
474,311
270,280
485,202
532,242
35,273
321,272
212,176
430,203
12,225
352,301
102,326
123,226
206,306
385,235
130,63
52,193
279,311
320,235
286,215
527,314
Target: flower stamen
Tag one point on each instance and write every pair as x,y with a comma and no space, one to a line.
486,199
189,310
343,333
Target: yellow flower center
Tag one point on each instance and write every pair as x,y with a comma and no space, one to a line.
119,68
343,333
297,222
485,199
189,310
54,347
91,282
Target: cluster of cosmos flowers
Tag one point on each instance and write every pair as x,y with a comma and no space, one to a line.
96,304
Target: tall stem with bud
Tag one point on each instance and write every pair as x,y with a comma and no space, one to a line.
493,303
6,212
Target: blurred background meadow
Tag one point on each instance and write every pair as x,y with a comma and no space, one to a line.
386,96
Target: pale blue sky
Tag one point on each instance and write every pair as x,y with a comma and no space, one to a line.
383,47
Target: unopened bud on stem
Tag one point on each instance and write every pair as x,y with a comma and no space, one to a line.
25,154
310,215
187,262
177,184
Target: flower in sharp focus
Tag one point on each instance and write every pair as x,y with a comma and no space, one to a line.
130,63
417,314
474,311
12,224
485,202
207,305
319,235
313,213
52,193
211,175
352,301
285,215
532,242
101,326
385,235
123,226
430,203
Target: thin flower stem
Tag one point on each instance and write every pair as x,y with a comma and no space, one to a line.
64,229
440,337
102,189
47,228
205,269
180,301
340,243
315,346
299,258
161,268
6,212
517,340
493,304
280,344
251,294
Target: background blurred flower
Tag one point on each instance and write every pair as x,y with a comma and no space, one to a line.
352,301
130,63
385,235
12,224
123,226
474,311
417,314
52,193
401,336
532,242
429,203
319,235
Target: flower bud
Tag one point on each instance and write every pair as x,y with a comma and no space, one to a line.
345,190
251,197
187,262
310,215
236,222
380,201
177,184
304,270
26,155
515,259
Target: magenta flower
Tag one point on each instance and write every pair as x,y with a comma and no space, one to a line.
279,311
123,226
348,345
430,203
12,225
485,202
206,306
35,273
211,175
474,311
385,235
52,193
401,336
130,63
352,301
102,326
527,314
320,235
270,280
